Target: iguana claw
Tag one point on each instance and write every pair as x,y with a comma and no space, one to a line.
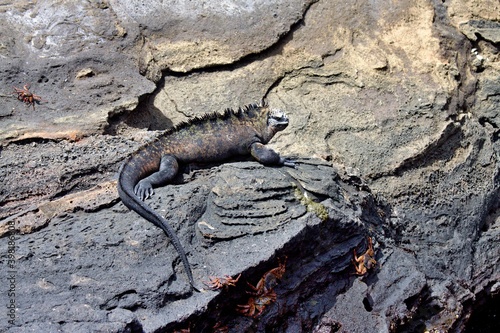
143,190
287,163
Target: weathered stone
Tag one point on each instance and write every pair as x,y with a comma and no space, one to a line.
182,36
403,95
475,29
74,253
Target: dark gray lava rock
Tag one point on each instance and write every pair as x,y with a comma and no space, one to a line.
112,270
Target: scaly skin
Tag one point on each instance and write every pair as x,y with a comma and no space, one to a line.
213,138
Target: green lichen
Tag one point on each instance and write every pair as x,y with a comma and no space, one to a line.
318,209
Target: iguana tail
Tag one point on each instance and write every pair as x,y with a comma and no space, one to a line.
127,179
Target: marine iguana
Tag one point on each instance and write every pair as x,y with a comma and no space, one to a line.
211,138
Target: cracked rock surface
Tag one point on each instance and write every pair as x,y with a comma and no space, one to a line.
394,124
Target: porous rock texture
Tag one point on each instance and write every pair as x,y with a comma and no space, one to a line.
394,124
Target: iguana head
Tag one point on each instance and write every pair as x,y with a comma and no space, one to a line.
277,120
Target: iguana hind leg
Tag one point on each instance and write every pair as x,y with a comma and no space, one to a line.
168,169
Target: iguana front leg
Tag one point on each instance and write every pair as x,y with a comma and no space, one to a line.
167,171
268,156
